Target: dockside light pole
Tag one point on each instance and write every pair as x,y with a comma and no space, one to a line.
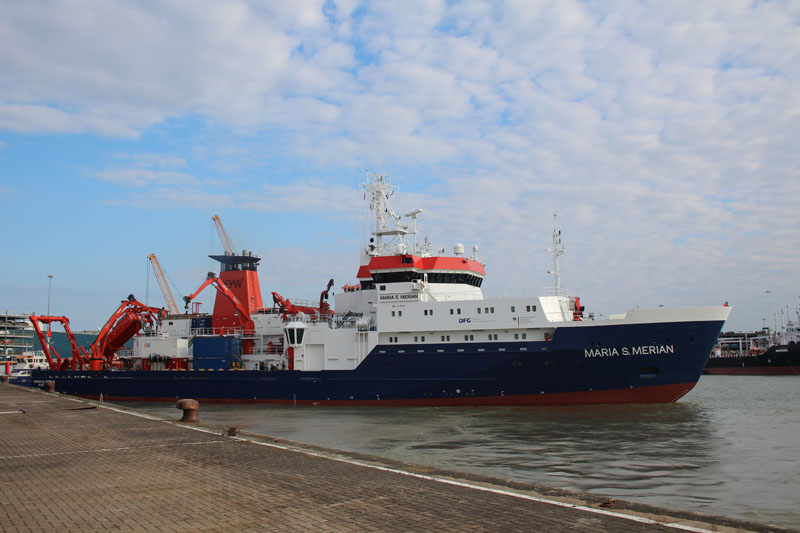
49,283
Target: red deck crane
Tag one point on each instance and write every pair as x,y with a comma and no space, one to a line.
79,356
245,323
130,317
288,308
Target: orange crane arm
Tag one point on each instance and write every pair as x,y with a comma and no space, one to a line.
212,279
162,282
79,355
123,324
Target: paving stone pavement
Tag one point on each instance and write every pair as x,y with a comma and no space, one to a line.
75,465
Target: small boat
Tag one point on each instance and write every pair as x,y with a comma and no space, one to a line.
23,365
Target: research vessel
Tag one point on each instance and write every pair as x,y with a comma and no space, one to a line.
414,328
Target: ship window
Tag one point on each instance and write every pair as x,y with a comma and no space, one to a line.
392,313
528,308
491,309
487,310
399,313
425,312
383,287
513,309
442,338
458,310
431,312
472,337
524,335
416,339
516,336
479,310
451,311
466,337
423,338
300,332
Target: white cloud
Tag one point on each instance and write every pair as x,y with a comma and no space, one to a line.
663,133
138,177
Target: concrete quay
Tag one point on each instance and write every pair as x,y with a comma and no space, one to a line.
76,465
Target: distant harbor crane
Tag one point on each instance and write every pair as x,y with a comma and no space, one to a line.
162,282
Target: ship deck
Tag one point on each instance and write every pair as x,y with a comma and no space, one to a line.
78,465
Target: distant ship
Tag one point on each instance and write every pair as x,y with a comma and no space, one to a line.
762,353
416,329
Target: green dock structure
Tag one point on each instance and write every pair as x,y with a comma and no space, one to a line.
76,465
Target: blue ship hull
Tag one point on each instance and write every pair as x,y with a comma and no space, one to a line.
587,364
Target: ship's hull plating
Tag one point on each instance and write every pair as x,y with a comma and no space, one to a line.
580,365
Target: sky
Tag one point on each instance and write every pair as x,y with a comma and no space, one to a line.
665,135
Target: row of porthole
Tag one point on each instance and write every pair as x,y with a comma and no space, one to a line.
442,364
471,337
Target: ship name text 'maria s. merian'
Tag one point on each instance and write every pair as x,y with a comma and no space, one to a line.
414,330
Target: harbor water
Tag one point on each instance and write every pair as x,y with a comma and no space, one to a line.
730,447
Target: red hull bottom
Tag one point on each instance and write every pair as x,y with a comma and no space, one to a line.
654,394
753,371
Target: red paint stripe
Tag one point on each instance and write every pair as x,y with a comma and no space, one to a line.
392,262
654,394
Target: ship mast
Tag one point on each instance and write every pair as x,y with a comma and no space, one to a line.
557,250
386,223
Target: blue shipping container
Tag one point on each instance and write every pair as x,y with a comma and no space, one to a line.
217,347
